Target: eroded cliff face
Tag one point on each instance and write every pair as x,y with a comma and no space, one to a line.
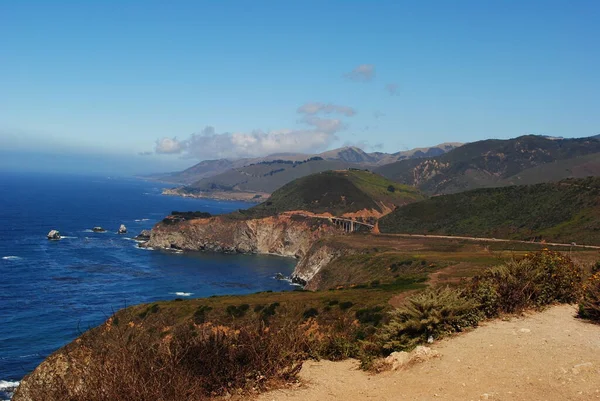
281,235
309,268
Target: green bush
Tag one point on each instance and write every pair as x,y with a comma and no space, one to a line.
200,314
346,305
433,312
370,315
538,279
589,307
237,311
311,312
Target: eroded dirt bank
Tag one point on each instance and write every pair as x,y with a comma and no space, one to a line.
544,356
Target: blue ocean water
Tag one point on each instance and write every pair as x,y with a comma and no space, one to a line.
52,290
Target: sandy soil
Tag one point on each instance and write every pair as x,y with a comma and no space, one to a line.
544,356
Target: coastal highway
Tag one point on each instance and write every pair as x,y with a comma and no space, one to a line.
571,245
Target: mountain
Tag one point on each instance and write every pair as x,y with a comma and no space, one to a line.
339,193
563,211
497,162
349,154
262,178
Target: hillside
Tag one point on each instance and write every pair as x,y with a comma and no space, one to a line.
350,155
565,211
339,192
263,177
494,162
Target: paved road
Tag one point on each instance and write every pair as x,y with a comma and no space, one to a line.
495,240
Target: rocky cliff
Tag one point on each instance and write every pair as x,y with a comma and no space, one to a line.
286,235
283,235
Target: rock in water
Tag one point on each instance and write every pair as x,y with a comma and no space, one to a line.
98,229
143,236
122,229
54,235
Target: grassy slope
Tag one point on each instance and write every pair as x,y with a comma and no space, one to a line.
487,163
565,211
337,192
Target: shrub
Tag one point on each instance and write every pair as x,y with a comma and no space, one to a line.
370,315
596,267
589,307
346,305
311,312
200,314
237,311
433,312
536,280
190,363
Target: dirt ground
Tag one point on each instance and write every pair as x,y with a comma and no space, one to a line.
549,356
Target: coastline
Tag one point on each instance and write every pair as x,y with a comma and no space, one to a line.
249,197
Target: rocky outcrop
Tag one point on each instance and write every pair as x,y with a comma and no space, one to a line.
98,229
283,235
144,235
53,235
122,229
309,268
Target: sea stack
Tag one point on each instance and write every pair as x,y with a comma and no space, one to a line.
122,229
54,235
98,230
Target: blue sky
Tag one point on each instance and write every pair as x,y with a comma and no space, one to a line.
118,79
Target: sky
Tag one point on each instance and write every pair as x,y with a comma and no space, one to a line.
149,86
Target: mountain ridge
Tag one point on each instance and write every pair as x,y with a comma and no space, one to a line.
491,162
348,154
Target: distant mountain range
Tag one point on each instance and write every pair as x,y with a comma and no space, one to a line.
443,169
492,163
350,155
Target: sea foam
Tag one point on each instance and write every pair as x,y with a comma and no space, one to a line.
183,294
8,386
11,258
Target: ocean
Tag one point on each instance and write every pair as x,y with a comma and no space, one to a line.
52,291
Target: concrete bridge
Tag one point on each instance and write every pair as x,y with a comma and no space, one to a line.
349,225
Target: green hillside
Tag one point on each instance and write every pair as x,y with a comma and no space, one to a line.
338,192
493,163
565,211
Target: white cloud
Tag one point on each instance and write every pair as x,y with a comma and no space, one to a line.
316,107
208,144
362,73
168,146
211,145
392,89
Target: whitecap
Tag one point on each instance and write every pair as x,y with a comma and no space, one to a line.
8,385
138,220
183,294
88,231
67,237
145,248
11,258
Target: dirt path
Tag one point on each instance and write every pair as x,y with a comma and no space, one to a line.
546,356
